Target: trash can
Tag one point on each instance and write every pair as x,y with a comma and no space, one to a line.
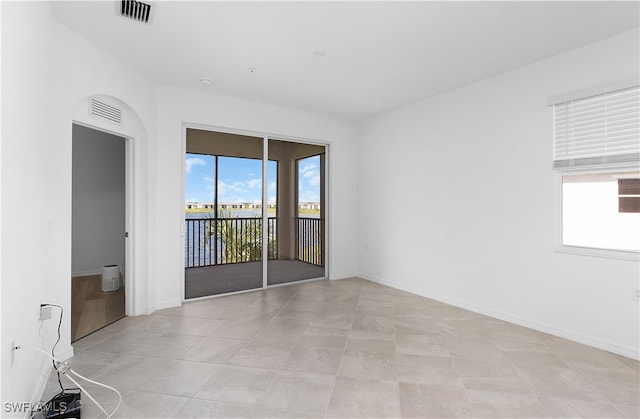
110,278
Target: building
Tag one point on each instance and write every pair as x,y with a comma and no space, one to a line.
309,205
472,150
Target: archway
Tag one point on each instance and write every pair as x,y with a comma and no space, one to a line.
111,115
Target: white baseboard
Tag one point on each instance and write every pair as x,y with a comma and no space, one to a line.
342,275
62,356
165,304
41,384
65,354
596,342
86,273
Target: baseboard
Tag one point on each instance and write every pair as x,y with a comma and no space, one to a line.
42,383
165,304
61,356
606,345
342,276
87,273
65,354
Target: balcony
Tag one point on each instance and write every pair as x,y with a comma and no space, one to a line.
225,254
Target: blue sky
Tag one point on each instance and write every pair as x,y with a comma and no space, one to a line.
309,180
240,180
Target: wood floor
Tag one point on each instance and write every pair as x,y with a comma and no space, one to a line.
92,309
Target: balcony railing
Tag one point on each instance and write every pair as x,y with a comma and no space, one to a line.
221,241
310,240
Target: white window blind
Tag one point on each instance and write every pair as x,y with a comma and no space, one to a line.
599,131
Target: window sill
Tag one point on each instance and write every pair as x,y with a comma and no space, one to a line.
601,253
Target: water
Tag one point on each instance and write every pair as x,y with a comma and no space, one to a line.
203,251
239,213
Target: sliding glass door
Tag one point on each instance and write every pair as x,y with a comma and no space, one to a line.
300,219
223,213
250,224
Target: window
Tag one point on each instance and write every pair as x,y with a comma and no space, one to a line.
592,213
629,195
597,162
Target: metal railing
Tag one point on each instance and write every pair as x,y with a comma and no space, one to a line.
310,240
221,241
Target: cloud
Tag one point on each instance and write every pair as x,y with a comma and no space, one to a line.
310,183
309,170
254,183
235,191
236,200
193,161
310,196
225,188
210,184
311,173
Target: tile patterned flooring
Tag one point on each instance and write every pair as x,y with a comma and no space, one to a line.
348,348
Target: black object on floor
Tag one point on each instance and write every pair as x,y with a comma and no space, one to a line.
63,405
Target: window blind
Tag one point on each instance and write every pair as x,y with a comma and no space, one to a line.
600,131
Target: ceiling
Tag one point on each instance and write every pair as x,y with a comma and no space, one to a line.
348,59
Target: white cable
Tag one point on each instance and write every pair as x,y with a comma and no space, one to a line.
87,379
58,363
72,380
102,385
87,393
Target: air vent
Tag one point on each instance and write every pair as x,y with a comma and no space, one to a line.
136,10
104,110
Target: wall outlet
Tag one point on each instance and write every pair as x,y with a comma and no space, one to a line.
636,293
45,313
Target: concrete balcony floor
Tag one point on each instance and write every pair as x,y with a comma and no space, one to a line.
222,279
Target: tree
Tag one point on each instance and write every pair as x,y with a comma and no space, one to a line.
240,238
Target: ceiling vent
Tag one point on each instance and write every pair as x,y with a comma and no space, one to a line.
136,10
104,110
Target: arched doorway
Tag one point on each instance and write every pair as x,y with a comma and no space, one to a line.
112,116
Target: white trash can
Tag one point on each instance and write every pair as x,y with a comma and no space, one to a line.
110,278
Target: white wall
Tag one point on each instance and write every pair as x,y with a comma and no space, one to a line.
26,225
46,71
98,201
474,165
177,106
81,70
1,222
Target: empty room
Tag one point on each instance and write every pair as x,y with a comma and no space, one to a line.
423,209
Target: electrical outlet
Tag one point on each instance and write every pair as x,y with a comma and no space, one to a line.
636,293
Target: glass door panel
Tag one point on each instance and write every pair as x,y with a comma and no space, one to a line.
223,213
297,248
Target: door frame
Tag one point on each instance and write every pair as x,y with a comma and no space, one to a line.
130,204
265,144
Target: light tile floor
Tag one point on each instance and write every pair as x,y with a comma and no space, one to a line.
347,348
